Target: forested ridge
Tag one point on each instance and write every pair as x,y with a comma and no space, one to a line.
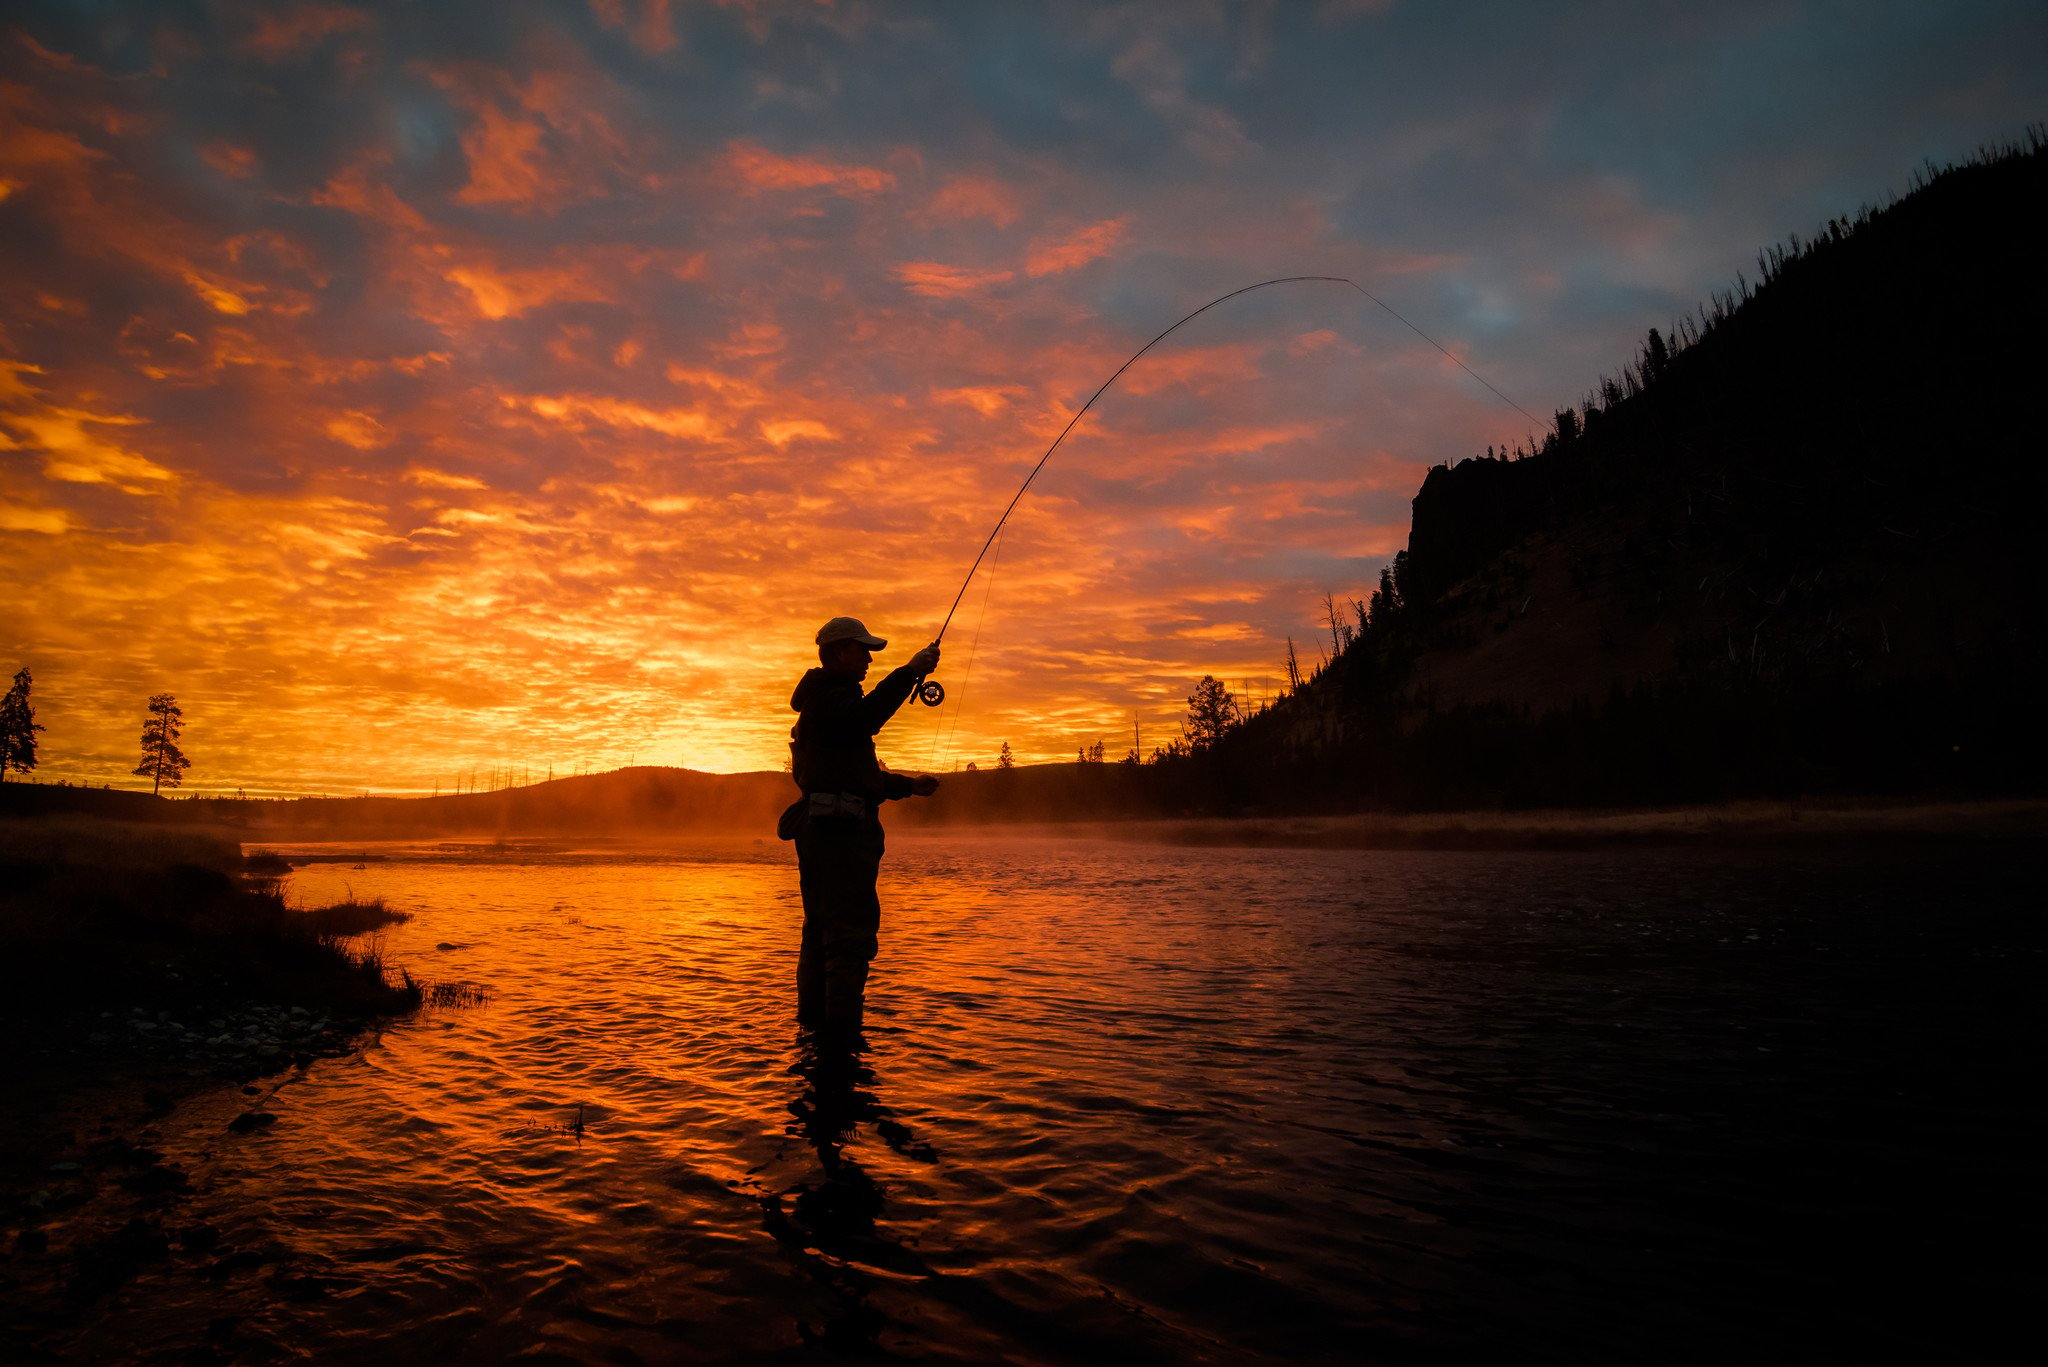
1792,548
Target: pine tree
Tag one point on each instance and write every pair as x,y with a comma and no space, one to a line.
17,728
163,763
1006,760
1211,714
1656,356
1386,603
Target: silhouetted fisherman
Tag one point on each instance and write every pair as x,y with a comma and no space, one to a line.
837,824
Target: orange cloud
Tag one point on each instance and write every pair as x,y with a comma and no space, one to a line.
941,281
987,400
536,143
653,33
578,410
1199,368
73,451
752,339
237,163
48,521
441,479
1049,256
504,155
731,388
796,429
976,197
500,294
14,389
761,169
222,299
29,150
280,32
357,429
356,190
1310,342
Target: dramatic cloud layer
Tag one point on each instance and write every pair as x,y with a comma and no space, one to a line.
418,390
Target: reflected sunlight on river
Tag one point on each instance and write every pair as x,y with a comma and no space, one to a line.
1128,1102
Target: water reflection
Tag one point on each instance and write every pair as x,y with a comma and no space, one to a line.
830,1223
1142,1105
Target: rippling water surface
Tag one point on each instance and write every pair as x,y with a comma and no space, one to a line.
1138,1104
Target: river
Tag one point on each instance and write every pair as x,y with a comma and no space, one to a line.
1140,1104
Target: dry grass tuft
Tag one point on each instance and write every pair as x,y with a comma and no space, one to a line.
352,917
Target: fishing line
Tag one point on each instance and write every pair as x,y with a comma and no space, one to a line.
988,587
930,692
1103,388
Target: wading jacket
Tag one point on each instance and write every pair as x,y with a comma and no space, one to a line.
832,745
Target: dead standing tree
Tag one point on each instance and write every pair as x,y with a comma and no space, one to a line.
163,763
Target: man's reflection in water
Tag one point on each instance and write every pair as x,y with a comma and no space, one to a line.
830,1224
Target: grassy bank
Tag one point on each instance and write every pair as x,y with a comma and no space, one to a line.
140,963
101,917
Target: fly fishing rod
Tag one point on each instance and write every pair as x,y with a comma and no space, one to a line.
929,691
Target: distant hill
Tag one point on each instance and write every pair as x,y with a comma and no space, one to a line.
649,801
1793,548
645,801
19,799
637,801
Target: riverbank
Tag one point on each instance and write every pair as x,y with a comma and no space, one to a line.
142,966
136,938
1731,825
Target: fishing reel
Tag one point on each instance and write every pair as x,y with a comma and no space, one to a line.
930,692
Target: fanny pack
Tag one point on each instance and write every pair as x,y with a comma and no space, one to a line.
821,807
818,806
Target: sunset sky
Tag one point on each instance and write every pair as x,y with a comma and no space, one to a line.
421,388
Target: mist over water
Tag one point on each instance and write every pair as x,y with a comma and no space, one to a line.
1144,1104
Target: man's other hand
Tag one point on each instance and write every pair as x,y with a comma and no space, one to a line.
924,785
926,660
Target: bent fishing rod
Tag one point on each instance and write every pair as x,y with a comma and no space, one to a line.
932,693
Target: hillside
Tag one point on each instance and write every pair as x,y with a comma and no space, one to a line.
1791,549
638,801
